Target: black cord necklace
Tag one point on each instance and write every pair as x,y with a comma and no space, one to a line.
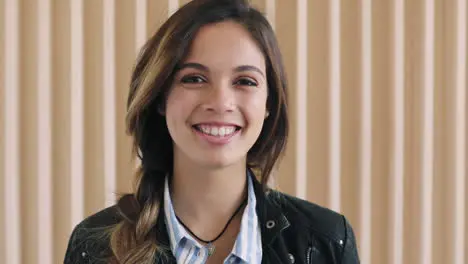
209,243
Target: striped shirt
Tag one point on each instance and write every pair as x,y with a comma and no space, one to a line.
247,247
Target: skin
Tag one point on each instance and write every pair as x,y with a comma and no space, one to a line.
221,81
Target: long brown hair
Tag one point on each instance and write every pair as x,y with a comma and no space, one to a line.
133,240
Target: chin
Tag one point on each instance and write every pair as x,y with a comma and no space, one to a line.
217,162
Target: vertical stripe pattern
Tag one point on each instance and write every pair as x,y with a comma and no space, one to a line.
109,101
301,130
366,131
44,113
338,114
461,132
334,108
427,146
11,182
77,109
398,153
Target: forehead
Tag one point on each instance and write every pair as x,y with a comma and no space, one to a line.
225,45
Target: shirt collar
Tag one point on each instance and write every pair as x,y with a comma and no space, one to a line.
174,228
248,244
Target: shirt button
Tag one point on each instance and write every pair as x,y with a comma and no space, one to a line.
270,224
83,254
291,258
341,242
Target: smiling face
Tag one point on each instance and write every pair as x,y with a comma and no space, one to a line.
217,103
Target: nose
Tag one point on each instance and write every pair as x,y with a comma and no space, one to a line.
219,99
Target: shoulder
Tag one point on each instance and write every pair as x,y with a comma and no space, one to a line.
90,238
322,222
326,232
106,217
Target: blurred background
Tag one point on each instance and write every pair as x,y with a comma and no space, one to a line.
378,101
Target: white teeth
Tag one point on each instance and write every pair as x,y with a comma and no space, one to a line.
205,129
222,131
217,131
228,130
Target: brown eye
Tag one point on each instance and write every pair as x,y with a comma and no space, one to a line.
246,82
192,80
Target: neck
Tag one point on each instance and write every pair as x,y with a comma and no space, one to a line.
205,198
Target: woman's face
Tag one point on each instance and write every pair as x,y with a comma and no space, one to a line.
217,104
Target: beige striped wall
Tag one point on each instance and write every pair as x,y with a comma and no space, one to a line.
378,109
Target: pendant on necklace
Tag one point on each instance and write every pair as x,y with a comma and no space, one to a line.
211,249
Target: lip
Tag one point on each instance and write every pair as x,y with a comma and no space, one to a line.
214,140
217,123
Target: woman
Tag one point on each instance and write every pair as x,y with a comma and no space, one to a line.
208,115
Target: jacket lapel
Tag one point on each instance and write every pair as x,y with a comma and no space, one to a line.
271,220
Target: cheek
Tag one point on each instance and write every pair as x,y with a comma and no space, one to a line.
255,108
178,106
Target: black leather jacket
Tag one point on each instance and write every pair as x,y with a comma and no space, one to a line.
293,231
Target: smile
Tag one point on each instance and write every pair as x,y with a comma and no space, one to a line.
217,131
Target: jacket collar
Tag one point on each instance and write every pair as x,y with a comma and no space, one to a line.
270,215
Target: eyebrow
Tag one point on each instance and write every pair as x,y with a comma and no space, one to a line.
201,67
